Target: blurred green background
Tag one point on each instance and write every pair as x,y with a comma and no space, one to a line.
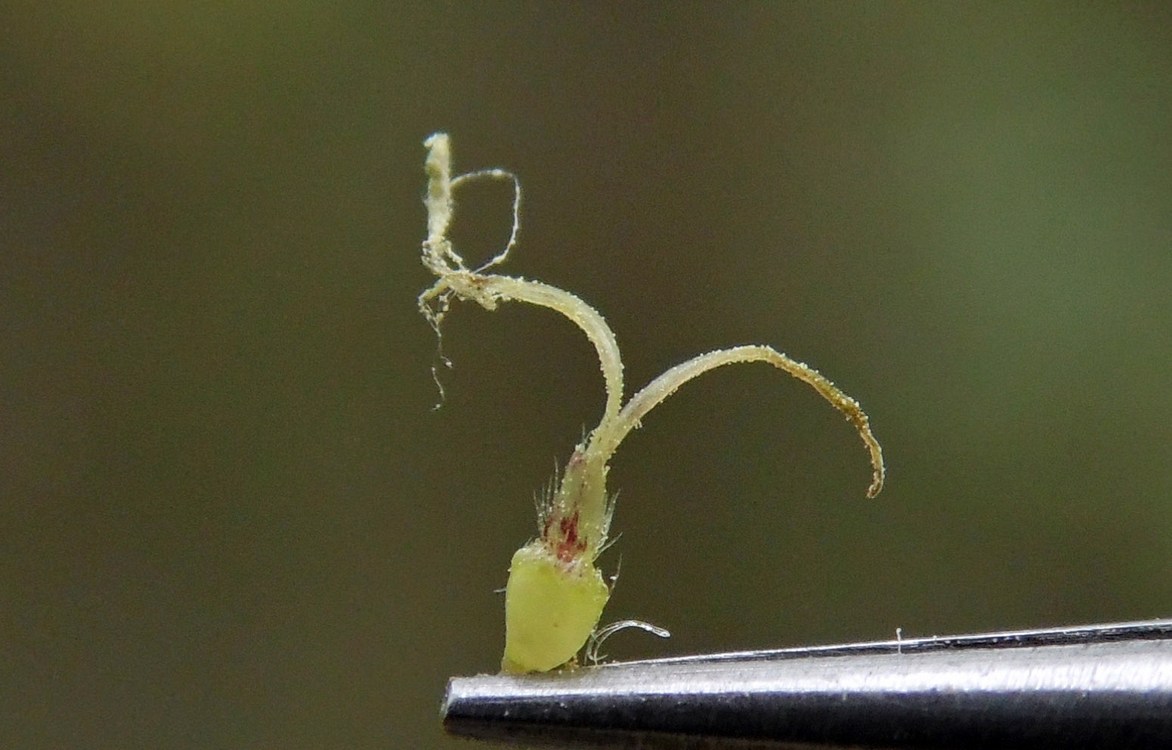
230,517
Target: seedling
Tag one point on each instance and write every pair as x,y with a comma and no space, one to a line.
555,593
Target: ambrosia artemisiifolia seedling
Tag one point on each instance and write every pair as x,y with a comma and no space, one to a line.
555,592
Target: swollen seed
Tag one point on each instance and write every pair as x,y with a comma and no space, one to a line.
551,608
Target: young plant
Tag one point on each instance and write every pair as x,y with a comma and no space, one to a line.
555,593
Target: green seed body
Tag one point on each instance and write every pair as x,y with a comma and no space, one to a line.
550,609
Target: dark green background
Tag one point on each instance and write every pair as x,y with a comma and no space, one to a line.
230,517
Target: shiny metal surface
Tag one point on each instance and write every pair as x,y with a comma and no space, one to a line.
1106,686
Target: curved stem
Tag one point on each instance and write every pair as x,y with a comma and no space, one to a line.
608,436
488,289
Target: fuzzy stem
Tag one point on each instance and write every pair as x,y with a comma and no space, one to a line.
438,167
608,435
488,289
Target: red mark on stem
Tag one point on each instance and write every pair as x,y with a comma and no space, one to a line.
561,536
